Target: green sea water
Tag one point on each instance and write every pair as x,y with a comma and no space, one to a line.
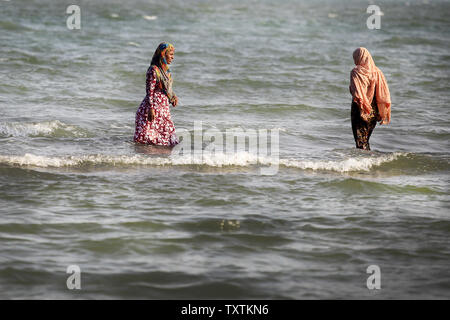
146,223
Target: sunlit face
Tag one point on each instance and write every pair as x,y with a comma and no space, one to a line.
169,55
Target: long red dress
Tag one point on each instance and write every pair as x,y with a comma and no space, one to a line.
160,131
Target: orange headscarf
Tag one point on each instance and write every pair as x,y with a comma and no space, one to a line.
366,80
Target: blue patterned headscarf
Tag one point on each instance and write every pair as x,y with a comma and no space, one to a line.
163,74
159,58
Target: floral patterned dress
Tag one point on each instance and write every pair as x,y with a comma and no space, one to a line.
160,131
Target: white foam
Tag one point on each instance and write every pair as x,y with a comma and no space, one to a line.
242,159
45,128
150,17
114,15
70,161
347,165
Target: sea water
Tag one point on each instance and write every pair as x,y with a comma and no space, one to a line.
141,222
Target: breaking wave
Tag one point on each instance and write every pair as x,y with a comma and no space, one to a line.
241,159
346,165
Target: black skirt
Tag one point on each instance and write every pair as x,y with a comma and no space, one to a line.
362,130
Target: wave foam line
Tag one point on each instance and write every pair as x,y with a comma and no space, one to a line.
45,128
347,165
241,159
72,161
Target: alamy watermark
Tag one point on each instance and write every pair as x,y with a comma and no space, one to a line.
374,20
233,146
74,280
374,280
73,22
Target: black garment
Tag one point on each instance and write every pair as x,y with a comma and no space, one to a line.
362,129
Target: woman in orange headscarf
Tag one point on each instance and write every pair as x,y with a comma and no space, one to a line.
371,98
154,123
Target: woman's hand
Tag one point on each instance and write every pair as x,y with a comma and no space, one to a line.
365,116
151,115
175,101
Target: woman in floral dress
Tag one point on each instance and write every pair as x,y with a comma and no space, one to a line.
154,123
